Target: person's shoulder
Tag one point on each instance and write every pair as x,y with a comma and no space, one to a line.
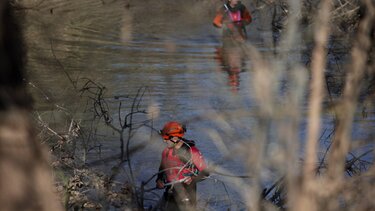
221,9
195,150
242,6
190,143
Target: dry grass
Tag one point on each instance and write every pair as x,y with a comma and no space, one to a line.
304,176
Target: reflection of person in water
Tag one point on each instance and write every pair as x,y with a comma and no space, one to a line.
231,61
232,17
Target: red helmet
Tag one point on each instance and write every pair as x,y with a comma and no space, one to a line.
173,129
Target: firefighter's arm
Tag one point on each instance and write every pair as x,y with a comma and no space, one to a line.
200,164
159,180
201,175
218,20
247,18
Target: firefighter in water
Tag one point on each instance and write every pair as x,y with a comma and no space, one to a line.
182,166
233,17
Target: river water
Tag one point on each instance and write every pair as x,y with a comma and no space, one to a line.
166,50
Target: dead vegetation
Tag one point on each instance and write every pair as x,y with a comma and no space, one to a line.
334,172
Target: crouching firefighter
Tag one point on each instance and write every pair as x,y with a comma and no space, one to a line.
182,166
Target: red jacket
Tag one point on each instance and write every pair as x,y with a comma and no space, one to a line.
233,20
239,13
177,164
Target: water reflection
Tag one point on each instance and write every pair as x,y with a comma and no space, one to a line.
123,49
231,61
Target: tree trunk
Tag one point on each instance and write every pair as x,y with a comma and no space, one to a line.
26,181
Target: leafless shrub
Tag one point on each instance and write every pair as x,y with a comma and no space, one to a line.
337,178
319,188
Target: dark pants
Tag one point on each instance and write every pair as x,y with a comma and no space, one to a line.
181,197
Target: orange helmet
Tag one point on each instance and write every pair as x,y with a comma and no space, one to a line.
173,129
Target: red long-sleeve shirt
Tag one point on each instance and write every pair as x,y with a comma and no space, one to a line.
236,14
233,21
175,169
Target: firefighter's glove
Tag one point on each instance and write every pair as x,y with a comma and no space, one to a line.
159,184
188,180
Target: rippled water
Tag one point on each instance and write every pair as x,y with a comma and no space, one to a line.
169,50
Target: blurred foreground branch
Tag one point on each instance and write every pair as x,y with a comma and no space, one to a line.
25,180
